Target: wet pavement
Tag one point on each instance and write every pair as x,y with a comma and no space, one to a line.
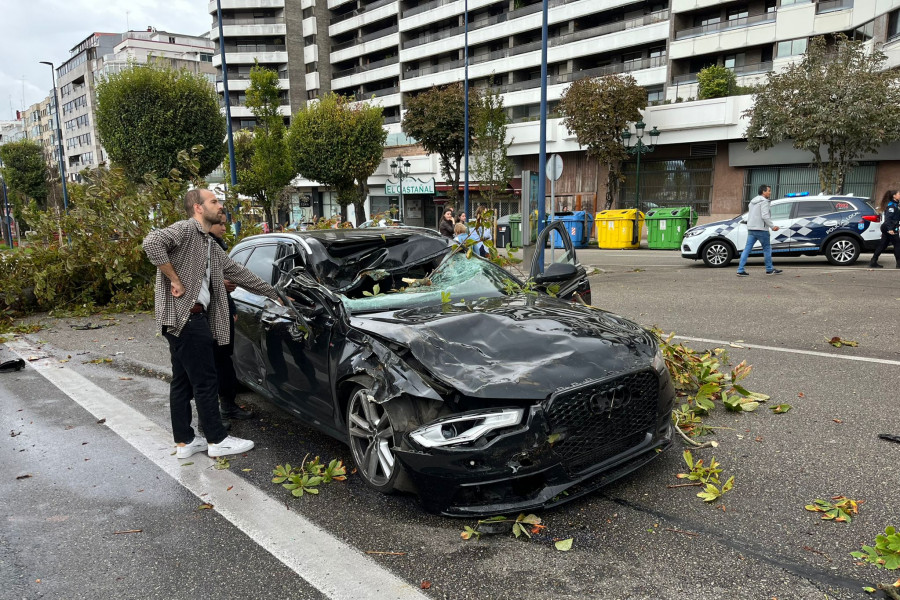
635,539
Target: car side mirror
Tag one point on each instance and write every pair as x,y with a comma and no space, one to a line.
555,273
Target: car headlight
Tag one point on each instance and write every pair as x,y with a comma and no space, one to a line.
659,363
693,232
465,428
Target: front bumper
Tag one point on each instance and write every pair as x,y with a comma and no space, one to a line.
541,463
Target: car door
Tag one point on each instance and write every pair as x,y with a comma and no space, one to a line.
248,359
563,270
813,220
781,211
297,372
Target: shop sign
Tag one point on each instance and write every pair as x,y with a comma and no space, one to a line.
411,185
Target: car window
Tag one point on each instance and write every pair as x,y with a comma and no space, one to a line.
240,257
262,261
782,211
814,208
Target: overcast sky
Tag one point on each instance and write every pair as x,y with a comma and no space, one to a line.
36,30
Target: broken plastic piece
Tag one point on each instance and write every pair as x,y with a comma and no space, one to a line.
12,365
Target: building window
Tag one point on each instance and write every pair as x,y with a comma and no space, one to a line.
791,48
655,95
206,57
312,94
171,40
771,6
307,12
734,60
893,24
737,13
309,40
312,67
864,33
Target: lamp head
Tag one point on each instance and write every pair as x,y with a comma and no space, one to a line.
44,62
654,134
626,137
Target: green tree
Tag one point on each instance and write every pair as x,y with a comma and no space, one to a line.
263,167
339,143
716,81
837,102
25,172
490,164
147,114
436,119
597,111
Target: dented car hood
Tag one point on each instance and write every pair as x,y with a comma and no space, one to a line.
516,347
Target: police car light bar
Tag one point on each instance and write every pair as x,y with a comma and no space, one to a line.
796,194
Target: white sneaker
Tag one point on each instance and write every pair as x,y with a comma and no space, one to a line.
230,445
197,445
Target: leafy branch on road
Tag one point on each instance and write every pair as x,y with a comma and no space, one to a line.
838,510
308,476
885,554
523,526
837,342
708,477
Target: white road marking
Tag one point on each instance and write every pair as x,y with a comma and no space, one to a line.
294,540
882,361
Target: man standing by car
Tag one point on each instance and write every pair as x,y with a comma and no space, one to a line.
192,312
759,222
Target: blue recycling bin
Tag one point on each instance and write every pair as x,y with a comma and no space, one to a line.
574,222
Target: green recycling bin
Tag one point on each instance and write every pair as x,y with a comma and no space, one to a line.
666,226
515,230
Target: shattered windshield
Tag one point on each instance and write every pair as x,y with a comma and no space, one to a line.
458,276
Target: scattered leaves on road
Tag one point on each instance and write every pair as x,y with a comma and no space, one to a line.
222,463
564,545
840,510
780,409
205,506
187,464
838,342
425,585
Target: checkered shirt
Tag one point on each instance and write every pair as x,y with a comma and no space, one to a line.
184,244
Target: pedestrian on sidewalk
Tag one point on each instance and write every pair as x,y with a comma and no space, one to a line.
192,312
228,382
759,222
889,207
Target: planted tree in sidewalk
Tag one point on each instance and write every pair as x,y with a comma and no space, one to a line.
490,164
436,119
838,103
339,143
25,172
263,168
597,110
147,114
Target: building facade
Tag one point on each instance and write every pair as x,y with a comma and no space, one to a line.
386,51
103,54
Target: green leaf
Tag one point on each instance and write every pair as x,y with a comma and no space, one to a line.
564,545
869,589
781,408
749,406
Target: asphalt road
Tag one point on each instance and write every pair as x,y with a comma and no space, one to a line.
636,539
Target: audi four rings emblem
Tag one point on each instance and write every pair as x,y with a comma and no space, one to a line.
606,401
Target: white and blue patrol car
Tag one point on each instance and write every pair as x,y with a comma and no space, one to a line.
840,227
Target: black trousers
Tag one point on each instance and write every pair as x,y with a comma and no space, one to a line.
194,375
886,240
227,377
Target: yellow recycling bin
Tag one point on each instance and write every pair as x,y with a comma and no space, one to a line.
615,228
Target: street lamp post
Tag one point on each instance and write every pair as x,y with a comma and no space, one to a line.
639,148
231,164
62,157
6,215
400,170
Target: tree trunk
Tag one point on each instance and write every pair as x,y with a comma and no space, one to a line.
360,204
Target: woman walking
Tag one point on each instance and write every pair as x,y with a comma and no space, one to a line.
889,207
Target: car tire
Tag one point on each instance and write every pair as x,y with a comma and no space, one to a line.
717,254
842,250
372,439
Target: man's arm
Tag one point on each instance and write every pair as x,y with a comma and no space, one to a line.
169,271
157,245
246,278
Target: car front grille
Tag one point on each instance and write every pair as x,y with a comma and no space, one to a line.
598,421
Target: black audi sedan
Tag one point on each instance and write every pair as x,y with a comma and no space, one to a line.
446,375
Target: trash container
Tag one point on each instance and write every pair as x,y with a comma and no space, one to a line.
666,226
575,225
615,228
503,239
515,230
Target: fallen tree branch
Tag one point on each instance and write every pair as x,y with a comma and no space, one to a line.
678,485
890,590
694,443
690,533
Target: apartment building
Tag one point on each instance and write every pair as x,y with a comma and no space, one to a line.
102,54
387,51
39,121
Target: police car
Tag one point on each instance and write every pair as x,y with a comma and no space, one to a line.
840,227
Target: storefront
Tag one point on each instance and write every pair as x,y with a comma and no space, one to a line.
415,205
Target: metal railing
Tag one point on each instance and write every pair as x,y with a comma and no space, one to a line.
751,69
359,11
726,25
256,48
624,67
832,5
250,21
424,7
391,60
366,38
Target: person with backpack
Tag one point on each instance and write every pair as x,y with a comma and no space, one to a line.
889,207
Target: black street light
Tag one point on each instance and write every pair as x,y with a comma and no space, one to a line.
62,157
400,170
639,148
230,136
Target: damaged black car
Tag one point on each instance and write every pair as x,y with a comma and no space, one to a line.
446,375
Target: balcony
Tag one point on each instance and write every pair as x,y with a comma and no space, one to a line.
367,67
833,5
625,67
232,4
750,69
248,58
728,25
359,11
366,38
250,30
425,7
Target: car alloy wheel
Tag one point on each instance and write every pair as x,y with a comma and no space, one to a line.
717,254
842,251
371,436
